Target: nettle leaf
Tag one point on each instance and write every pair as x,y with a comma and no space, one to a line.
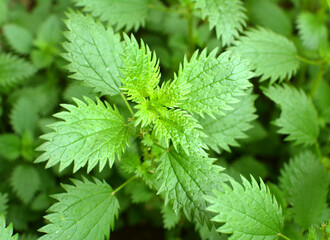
181,129
129,162
312,30
270,15
247,166
6,232
170,218
19,38
28,236
312,235
322,100
3,203
141,71
216,82
42,58
89,133
223,130
303,176
10,146
129,13
24,116
43,98
94,53
25,181
48,37
41,202
184,180
172,93
14,70
298,117
227,16
77,90
50,31
248,211
270,54
139,192
86,210
206,233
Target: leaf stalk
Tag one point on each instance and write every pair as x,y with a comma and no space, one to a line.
309,61
283,236
127,104
317,81
123,185
318,150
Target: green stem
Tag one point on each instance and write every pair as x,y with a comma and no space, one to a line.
190,31
309,61
283,236
127,104
317,81
318,150
123,185
160,146
164,9
328,1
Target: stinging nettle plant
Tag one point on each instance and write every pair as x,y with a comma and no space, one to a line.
167,135
166,118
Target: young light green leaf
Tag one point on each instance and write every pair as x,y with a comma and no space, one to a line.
14,70
10,146
312,30
141,72
305,176
129,13
227,16
184,180
223,130
89,133
180,128
216,82
86,210
19,38
6,232
312,235
248,211
3,203
25,181
24,117
94,53
271,55
170,218
172,93
298,117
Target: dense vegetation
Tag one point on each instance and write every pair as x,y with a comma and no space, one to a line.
150,119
